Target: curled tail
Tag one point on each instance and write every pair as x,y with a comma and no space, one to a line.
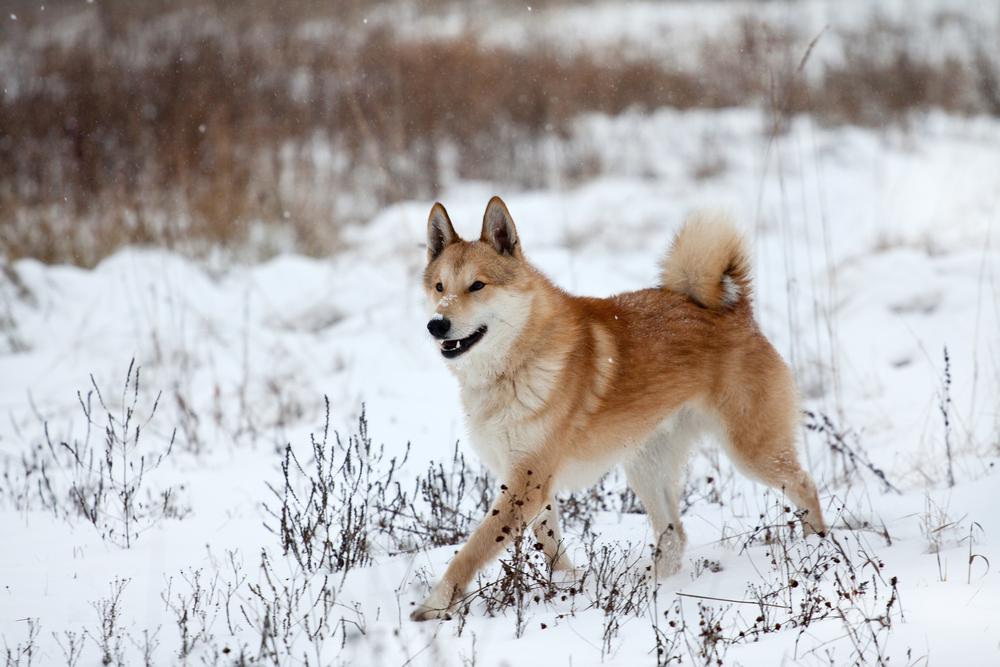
708,262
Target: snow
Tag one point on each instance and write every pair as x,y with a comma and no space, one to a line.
872,253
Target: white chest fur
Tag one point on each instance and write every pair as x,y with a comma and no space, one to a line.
506,417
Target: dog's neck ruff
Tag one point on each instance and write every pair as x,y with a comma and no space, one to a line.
527,350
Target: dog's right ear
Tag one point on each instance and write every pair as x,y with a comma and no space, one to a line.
440,233
499,230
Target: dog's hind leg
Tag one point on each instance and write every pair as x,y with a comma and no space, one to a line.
547,532
655,473
772,459
759,424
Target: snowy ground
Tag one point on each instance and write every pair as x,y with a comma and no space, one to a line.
873,253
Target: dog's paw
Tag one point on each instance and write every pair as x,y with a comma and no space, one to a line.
438,605
810,529
426,613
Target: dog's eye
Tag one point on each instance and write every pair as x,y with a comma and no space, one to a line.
476,286
439,287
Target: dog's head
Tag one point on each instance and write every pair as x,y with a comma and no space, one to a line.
478,290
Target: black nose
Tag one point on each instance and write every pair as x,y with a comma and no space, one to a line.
439,327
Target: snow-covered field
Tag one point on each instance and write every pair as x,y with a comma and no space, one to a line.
874,253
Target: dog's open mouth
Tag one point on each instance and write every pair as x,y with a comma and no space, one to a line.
451,348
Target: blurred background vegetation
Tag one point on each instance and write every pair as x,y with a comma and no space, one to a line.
255,127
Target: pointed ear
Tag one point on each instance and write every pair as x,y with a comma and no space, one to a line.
499,230
440,233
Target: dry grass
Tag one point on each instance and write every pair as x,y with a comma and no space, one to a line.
200,124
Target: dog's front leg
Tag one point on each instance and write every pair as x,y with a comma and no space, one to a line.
549,534
519,501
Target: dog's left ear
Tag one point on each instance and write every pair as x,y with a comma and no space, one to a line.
499,230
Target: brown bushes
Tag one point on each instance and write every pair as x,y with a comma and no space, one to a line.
219,123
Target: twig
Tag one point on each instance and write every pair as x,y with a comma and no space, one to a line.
753,602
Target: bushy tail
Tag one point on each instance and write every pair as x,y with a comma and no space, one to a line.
708,262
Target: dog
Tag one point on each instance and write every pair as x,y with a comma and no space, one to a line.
558,389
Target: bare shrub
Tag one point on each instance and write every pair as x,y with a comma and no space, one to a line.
200,125
194,609
937,526
72,645
848,455
12,289
611,581
331,502
838,578
335,510
944,405
450,501
103,483
524,579
296,609
882,78
580,509
23,653
110,634
146,645
204,137
280,608
975,529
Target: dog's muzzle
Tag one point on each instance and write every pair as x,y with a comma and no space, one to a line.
453,347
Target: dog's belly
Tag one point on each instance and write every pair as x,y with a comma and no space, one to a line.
501,442
578,474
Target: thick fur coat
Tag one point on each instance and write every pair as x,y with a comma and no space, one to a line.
557,389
